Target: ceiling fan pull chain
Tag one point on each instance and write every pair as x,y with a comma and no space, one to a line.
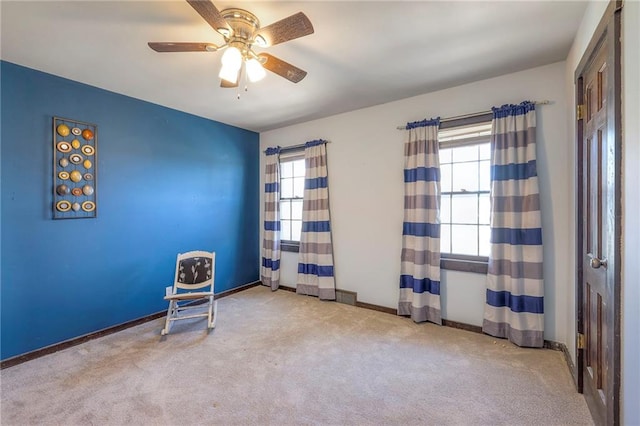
243,76
246,77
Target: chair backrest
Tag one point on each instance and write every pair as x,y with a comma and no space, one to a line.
195,270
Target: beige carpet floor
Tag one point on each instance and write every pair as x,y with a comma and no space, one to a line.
283,359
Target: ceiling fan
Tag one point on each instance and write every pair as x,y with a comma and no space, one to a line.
241,30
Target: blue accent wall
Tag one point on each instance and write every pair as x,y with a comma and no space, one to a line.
168,182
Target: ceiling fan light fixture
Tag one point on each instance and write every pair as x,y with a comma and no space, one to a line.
228,74
232,58
260,41
255,71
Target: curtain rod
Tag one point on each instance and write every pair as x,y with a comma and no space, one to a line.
475,114
292,147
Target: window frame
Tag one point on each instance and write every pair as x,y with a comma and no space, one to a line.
289,155
462,262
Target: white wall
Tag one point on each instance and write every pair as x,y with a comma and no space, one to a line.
630,410
365,160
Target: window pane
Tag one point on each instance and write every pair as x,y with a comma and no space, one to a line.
285,209
485,151
485,241
286,169
464,208
286,191
298,168
445,239
465,170
464,239
484,209
445,209
485,170
285,229
465,177
465,153
445,178
296,209
298,187
445,156
296,229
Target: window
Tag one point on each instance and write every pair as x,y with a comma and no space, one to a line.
291,194
465,205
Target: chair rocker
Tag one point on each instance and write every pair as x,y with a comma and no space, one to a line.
192,288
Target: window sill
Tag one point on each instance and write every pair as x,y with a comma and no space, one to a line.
465,265
290,246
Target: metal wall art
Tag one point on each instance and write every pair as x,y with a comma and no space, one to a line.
75,160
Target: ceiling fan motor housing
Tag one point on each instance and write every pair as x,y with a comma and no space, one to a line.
243,24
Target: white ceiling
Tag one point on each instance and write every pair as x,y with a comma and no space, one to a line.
361,54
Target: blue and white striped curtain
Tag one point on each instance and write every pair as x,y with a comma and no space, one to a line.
270,272
515,289
315,259
420,267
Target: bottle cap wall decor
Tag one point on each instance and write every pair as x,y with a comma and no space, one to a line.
63,130
63,146
74,169
63,206
75,176
87,190
87,150
87,134
62,189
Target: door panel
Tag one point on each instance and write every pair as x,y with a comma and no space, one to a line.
595,233
598,314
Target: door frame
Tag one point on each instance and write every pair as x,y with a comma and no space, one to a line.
609,31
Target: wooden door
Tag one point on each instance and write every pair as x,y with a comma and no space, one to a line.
600,233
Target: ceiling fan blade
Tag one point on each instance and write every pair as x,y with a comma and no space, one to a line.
286,29
210,13
182,47
282,68
227,84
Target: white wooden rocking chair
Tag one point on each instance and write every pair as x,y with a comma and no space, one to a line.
195,270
